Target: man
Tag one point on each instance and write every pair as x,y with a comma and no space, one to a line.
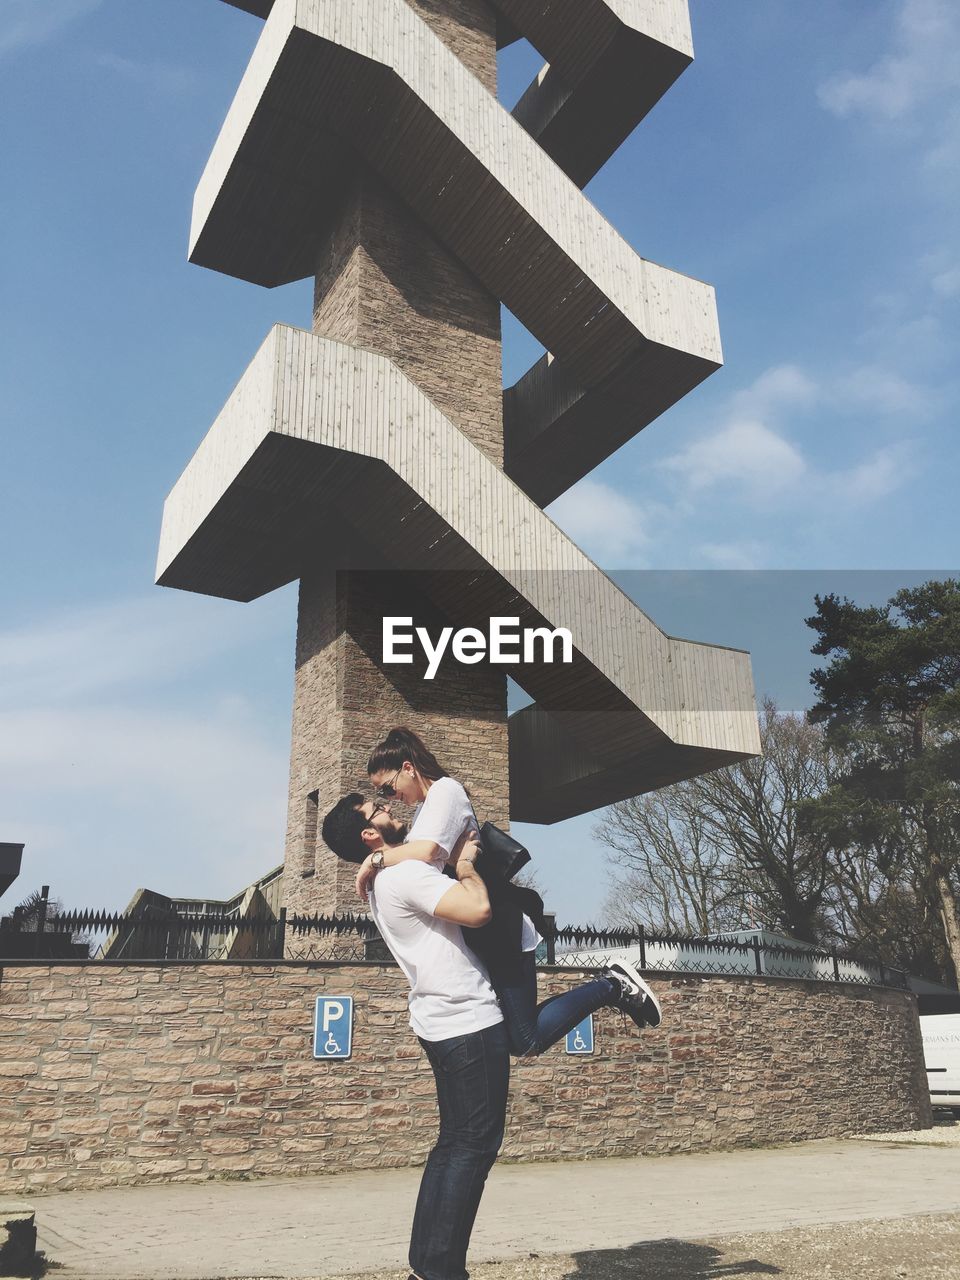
455,1015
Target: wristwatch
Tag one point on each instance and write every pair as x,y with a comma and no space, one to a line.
376,860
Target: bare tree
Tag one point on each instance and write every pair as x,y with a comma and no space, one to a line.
29,913
34,915
529,878
666,872
723,849
882,901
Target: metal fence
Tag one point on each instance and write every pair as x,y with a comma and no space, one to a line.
749,957
157,935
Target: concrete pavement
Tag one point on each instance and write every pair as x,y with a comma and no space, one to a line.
316,1227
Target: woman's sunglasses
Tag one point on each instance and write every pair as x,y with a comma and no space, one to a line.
386,790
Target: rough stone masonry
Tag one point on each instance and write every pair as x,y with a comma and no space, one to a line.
156,1072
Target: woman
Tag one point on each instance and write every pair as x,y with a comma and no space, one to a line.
401,766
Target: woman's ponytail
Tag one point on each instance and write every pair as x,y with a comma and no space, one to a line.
402,744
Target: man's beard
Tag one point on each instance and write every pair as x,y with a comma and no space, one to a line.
397,836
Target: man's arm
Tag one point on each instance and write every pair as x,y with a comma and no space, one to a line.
467,903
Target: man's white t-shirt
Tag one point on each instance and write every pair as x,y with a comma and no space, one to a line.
450,994
443,817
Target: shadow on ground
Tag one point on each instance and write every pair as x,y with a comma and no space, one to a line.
664,1260
36,1269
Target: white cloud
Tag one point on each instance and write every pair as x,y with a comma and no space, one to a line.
779,387
943,271
782,455
114,777
881,391
947,283
31,22
745,453
734,555
746,450
185,804
104,649
161,77
752,461
907,330
605,523
940,159
753,458
923,62
874,478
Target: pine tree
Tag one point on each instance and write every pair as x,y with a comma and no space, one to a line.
889,699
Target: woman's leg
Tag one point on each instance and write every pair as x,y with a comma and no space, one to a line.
519,1007
534,1028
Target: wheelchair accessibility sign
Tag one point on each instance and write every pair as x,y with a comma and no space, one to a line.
333,1027
580,1039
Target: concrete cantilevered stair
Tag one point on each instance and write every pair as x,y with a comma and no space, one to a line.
314,424
331,80
337,84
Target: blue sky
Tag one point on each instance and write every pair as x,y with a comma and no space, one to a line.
806,165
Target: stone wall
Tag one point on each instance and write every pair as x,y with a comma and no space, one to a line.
158,1072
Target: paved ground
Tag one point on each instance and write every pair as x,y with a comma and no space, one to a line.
925,1248
821,1209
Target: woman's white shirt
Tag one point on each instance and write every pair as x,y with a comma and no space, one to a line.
443,817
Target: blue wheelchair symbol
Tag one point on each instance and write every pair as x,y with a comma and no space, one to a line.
580,1039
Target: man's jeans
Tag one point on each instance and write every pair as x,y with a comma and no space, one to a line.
472,1074
532,1028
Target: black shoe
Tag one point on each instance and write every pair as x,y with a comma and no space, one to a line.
637,999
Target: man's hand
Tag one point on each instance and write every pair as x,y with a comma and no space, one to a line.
365,877
465,853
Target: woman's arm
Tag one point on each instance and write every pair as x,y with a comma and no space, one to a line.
416,850
443,818
422,850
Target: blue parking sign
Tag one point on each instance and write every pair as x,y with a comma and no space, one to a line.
580,1039
333,1027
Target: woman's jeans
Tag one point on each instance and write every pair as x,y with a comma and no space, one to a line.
472,1074
532,1028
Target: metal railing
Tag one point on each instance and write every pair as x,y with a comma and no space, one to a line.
677,953
158,935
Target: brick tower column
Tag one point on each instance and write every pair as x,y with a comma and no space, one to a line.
386,285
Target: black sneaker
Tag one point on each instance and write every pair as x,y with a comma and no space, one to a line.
637,999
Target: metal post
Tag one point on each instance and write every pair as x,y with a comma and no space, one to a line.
643,949
836,966
758,960
551,939
42,915
282,932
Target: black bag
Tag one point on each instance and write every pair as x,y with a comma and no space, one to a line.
500,855
497,944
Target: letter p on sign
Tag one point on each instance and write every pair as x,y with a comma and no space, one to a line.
333,1027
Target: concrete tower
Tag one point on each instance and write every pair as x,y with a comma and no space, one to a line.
378,460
